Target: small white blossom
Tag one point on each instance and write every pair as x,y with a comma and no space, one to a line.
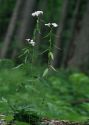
28,40
37,13
51,24
48,24
54,25
32,43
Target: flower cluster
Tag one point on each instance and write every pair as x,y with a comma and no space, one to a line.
51,25
30,42
37,13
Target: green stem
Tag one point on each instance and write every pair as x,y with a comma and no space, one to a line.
38,25
32,60
50,45
50,40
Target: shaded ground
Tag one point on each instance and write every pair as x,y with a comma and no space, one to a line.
46,122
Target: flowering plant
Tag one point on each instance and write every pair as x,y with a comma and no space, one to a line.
32,43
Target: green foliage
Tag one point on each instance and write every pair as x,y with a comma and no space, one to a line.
6,63
51,97
27,116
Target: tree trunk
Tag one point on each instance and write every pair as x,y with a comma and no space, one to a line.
58,45
26,25
68,50
11,29
28,9
81,56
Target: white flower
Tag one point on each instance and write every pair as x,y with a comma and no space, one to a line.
54,25
32,42
51,24
28,40
37,13
48,24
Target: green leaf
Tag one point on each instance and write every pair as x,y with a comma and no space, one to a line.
53,68
51,55
44,51
18,66
9,118
26,51
45,72
21,123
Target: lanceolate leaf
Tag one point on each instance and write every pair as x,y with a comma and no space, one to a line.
45,72
53,68
51,55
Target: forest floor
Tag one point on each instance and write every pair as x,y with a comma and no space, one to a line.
46,122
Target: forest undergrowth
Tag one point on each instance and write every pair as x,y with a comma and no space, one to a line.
61,95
